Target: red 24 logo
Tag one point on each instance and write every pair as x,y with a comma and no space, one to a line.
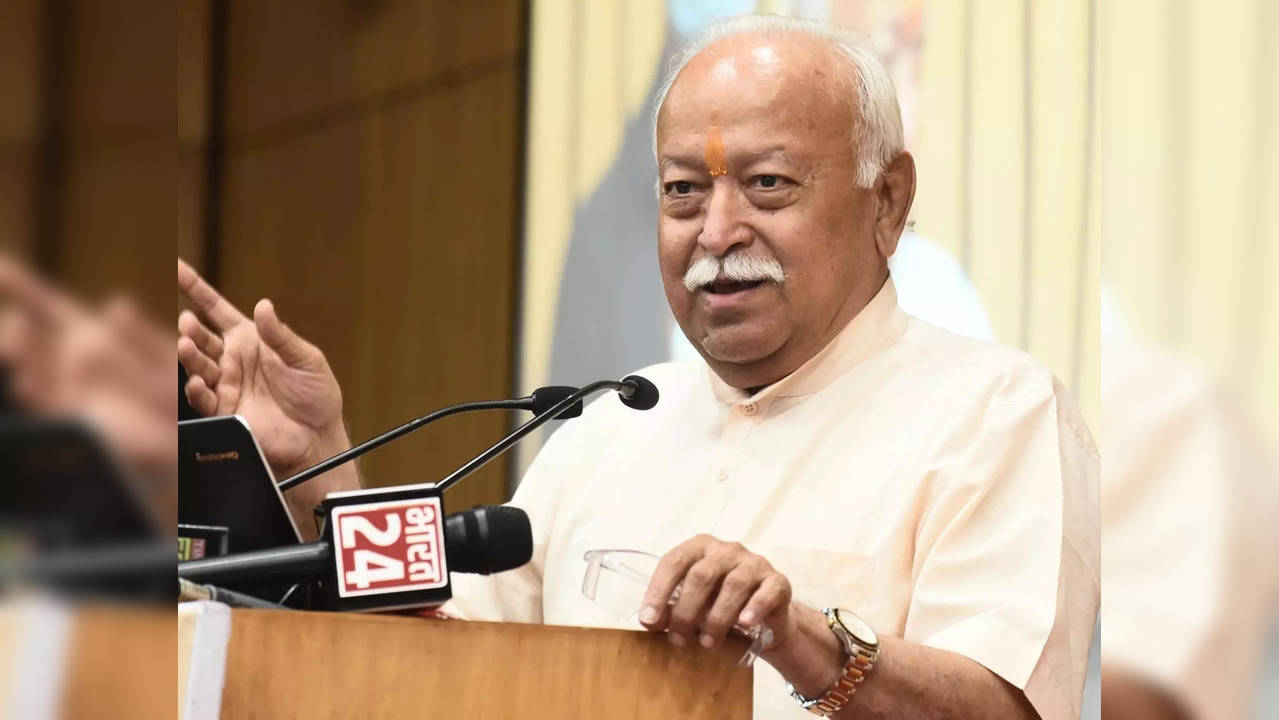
390,546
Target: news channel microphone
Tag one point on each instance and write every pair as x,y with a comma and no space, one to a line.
384,549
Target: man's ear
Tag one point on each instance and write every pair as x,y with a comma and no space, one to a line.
895,191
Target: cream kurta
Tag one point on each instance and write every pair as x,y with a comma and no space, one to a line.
942,488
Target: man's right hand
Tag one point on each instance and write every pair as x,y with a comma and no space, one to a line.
263,371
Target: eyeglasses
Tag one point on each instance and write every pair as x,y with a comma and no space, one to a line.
616,580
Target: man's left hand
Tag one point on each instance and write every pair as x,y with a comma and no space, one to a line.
723,584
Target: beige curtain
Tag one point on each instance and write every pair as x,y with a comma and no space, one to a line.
1190,209
1007,153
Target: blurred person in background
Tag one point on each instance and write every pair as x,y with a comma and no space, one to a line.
106,366
943,487
1189,495
1187,196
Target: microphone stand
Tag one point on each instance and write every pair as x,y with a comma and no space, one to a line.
625,388
188,590
394,433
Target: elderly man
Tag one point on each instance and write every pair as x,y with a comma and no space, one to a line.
912,514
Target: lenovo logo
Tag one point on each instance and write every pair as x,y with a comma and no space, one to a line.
217,457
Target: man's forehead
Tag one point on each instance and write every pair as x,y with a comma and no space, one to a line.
751,80
728,63
740,72
795,137
690,158
759,54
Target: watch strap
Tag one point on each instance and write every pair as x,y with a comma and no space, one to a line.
857,666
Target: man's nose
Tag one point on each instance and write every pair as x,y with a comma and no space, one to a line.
724,228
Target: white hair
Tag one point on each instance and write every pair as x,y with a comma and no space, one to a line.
877,125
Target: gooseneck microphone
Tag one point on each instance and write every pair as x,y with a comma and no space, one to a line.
634,391
539,402
482,540
639,392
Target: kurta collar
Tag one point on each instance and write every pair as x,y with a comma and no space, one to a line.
876,327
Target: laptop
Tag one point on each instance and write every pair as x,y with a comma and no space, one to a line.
224,482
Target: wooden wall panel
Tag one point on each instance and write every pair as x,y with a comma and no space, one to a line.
441,245
120,75
290,232
18,170
371,192
86,153
289,60
22,32
116,224
195,36
114,181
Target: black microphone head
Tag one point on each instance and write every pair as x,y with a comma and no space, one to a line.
644,395
488,539
545,398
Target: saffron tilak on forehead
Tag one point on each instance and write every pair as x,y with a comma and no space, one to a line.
715,163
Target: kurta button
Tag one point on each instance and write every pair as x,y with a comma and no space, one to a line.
750,408
722,474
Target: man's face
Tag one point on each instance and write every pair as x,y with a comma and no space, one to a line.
756,159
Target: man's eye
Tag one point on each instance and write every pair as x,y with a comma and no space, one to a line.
679,187
768,181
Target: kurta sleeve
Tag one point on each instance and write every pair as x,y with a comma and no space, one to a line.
1008,551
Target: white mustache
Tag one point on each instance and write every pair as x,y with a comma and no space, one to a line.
737,267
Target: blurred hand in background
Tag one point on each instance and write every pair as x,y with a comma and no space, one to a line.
106,366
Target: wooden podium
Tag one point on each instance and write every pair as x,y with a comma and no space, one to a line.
324,665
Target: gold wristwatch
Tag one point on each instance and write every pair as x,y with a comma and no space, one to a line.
862,647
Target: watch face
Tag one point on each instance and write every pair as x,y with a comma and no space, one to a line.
857,628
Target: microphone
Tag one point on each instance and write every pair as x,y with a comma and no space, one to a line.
377,545
488,539
305,562
640,393
634,391
539,402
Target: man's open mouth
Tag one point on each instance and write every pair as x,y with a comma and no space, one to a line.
725,287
